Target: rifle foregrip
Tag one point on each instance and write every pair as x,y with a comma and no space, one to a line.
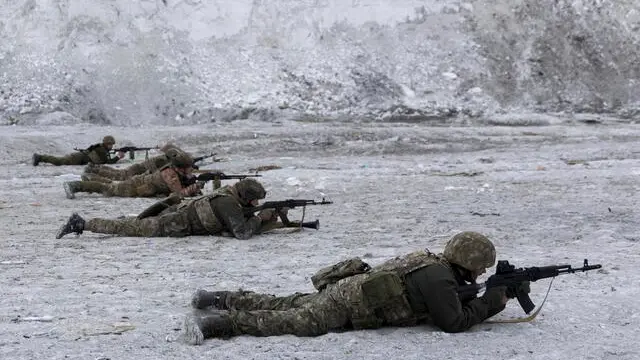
525,302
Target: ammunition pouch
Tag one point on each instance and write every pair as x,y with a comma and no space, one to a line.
334,273
383,302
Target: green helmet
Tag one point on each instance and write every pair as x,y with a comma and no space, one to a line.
249,190
470,250
167,147
179,158
108,140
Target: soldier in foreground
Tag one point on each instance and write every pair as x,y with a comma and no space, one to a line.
222,211
172,178
418,288
105,173
96,154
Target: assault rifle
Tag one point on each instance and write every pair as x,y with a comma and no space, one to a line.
279,206
208,176
200,158
132,149
507,275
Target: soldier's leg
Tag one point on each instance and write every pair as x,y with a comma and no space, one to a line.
133,170
54,160
314,318
95,177
247,300
111,173
73,187
149,227
173,224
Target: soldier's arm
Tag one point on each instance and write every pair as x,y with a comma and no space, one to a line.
94,157
112,160
230,213
435,288
172,180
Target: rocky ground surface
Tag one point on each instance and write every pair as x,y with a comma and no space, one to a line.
546,194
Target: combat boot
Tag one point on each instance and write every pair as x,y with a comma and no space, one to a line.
202,299
35,159
75,224
70,189
207,324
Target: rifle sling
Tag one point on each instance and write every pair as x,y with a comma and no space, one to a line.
525,318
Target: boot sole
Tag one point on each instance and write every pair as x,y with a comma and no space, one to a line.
67,190
61,232
34,160
192,333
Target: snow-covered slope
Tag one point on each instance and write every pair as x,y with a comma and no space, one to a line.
165,61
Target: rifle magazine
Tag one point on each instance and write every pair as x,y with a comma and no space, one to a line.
525,318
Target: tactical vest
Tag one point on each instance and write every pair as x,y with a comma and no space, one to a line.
377,298
202,207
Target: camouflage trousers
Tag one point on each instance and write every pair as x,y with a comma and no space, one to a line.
118,188
299,314
71,159
173,224
341,305
116,174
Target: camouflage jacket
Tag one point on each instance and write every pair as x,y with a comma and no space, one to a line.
221,211
175,182
433,291
98,154
426,293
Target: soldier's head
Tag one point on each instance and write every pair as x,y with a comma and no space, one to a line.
180,160
108,142
471,251
250,191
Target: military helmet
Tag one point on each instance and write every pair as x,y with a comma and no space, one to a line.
471,250
167,147
108,140
179,159
250,189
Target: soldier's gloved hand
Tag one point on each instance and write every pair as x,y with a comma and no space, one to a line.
268,215
496,296
200,184
120,154
522,288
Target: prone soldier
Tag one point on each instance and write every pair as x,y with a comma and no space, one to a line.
104,173
213,214
96,154
171,178
418,288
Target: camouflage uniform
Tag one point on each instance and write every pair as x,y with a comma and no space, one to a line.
160,183
212,214
104,173
419,288
97,154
